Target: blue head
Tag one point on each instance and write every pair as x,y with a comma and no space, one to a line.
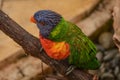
46,20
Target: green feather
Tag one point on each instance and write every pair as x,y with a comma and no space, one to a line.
82,50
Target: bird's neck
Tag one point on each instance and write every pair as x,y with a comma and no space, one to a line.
59,31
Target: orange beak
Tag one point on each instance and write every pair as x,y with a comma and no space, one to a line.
33,20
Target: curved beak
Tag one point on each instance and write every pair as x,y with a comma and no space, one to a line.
32,19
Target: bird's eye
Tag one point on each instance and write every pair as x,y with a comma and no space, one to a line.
42,23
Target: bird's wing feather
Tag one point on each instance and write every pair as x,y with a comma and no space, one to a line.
83,51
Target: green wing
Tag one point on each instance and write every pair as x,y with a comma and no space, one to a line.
83,51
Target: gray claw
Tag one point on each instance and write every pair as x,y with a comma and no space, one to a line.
41,49
70,69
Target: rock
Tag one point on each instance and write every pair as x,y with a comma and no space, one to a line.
107,76
99,56
116,71
114,50
100,48
50,79
109,55
102,68
117,55
115,62
108,68
118,76
105,39
93,71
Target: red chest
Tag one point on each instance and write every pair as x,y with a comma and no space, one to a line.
56,50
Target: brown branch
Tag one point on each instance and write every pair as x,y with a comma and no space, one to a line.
116,25
32,46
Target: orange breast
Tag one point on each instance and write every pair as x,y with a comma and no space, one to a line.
56,50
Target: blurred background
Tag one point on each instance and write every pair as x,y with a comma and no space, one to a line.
92,16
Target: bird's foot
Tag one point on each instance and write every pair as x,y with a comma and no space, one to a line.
70,69
95,77
41,49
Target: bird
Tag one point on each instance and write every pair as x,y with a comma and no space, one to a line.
62,39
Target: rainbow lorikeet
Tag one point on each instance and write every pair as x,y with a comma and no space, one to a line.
62,39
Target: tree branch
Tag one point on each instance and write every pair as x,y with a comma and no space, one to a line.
32,46
116,25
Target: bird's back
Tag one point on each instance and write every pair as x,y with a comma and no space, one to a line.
83,51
